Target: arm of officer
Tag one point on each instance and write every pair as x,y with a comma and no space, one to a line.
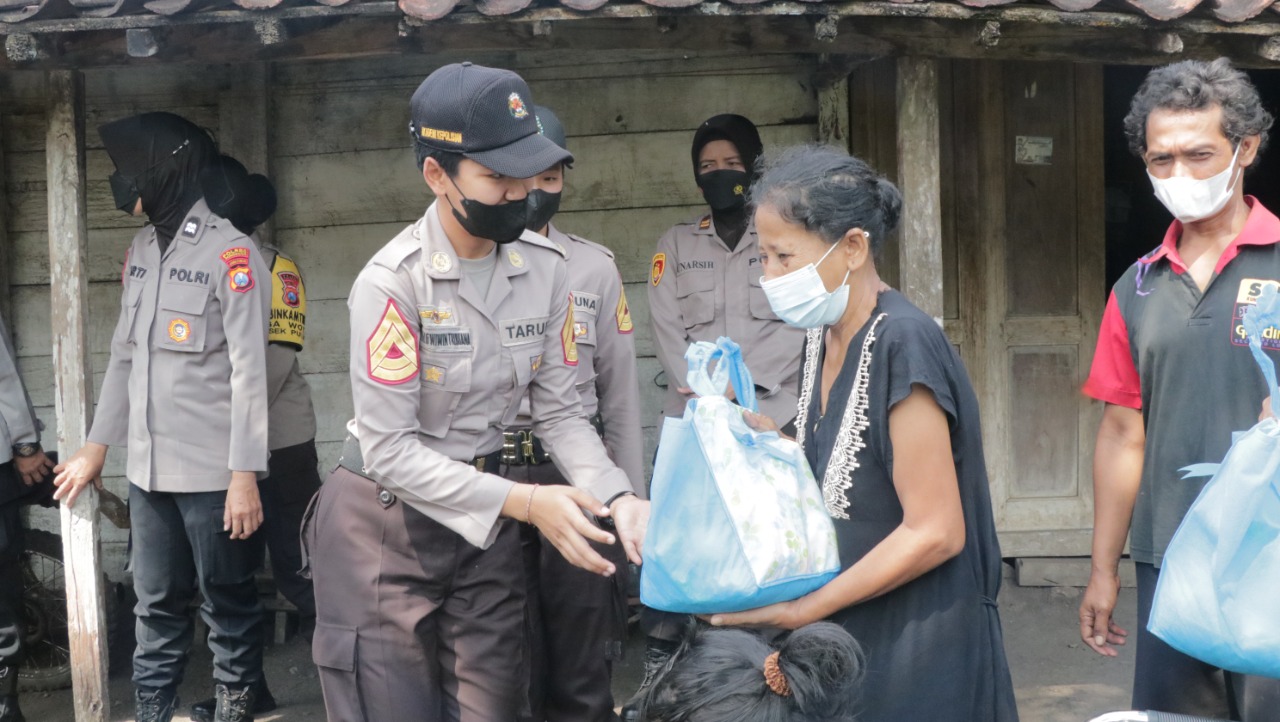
16,411
775,366
280,360
558,421
618,386
664,313
386,389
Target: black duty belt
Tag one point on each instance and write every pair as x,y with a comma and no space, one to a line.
353,460
521,447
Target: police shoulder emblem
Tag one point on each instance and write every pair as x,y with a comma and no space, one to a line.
392,348
440,262
179,330
659,267
238,271
516,259
517,107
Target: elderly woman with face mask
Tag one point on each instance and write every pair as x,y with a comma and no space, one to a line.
889,424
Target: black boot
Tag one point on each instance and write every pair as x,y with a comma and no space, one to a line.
233,705
657,653
9,711
154,705
263,703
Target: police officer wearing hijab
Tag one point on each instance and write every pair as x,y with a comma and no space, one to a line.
413,540
578,619
185,393
705,283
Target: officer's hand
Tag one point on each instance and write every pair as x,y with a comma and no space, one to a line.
33,468
630,517
243,513
81,469
557,512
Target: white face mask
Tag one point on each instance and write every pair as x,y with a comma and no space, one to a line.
801,299
1193,199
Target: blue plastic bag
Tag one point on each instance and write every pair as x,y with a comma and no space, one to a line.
1218,598
737,520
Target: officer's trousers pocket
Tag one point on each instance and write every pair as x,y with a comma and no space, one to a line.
306,535
333,649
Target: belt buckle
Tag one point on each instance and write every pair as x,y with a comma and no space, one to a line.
478,462
526,448
511,448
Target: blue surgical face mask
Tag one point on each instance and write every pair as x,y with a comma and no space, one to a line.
801,299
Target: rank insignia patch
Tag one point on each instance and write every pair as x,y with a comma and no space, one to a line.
392,349
705,223
238,271
535,363
191,227
623,313
659,266
433,374
567,344
179,330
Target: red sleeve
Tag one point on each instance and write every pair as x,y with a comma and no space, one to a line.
1113,378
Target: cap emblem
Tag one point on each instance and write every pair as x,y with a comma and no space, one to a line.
516,105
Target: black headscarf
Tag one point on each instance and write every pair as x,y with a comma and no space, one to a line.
162,154
231,192
730,224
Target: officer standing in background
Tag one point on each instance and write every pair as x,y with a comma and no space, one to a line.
705,283
413,540
185,393
578,620
22,464
291,431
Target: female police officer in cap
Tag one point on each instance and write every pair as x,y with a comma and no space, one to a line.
413,539
186,394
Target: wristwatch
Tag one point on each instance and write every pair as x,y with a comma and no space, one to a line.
607,521
22,451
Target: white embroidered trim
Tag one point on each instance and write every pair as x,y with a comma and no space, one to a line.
844,454
812,342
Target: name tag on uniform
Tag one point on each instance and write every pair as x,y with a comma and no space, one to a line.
450,340
523,330
588,303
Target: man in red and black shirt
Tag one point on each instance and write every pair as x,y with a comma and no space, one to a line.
1174,368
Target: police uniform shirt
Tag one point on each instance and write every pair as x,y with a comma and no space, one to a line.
18,424
1181,356
185,389
700,290
291,415
437,373
608,381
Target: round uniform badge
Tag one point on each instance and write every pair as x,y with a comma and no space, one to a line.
440,262
179,330
516,259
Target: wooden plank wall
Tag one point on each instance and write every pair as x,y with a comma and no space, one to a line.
338,151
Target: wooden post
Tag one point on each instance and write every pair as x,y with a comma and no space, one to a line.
244,129
833,104
920,178
5,300
69,295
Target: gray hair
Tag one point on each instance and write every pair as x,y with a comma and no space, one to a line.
828,192
1196,85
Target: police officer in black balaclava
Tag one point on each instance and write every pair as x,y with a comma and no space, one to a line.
725,150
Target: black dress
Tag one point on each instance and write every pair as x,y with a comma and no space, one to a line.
934,646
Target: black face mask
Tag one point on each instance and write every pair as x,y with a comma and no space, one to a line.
725,190
500,223
124,191
542,207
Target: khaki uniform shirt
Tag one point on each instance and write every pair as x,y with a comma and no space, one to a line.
185,389
291,418
608,381
700,290
438,372
18,424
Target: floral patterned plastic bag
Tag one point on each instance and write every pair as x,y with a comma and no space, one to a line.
738,520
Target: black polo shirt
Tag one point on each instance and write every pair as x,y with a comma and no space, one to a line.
1181,357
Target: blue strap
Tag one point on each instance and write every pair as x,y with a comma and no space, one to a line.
729,369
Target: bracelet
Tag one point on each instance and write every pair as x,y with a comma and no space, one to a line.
528,506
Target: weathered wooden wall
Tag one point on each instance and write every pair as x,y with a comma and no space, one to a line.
334,135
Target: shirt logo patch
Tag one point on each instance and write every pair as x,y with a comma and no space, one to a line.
1247,295
447,340
441,315
623,313
179,330
523,330
238,271
290,283
567,344
392,349
580,330
288,324
659,267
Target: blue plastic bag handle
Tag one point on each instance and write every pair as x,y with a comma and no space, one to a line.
1257,318
729,369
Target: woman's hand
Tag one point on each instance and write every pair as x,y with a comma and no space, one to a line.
557,512
759,422
783,615
243,512
74,474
